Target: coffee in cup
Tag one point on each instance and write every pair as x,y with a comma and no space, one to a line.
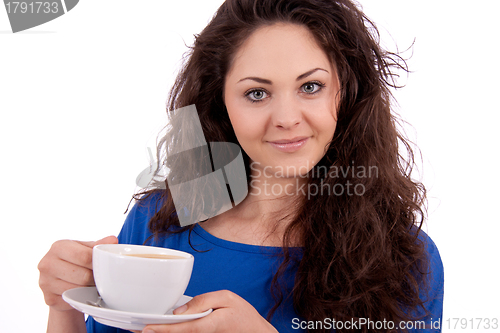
154,256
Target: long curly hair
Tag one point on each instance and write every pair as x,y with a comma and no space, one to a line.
361,254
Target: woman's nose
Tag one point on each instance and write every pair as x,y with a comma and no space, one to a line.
286,113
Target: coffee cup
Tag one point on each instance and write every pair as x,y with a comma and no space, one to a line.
143,279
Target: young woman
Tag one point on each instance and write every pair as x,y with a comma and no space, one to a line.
329,235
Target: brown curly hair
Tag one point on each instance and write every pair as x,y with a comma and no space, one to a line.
361,255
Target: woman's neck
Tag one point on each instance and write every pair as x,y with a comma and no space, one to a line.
263,216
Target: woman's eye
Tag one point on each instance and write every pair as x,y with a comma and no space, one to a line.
312,87
256,95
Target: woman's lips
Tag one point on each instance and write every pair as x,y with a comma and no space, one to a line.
289,146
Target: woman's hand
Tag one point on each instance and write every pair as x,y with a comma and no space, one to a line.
231,313
67,265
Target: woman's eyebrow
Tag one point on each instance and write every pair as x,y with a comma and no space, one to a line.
257,79
306,74
266,81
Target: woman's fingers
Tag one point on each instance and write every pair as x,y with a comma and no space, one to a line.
67,265
202,325
77,253
231,314
105,240
80,253
213,300
71,273
68,261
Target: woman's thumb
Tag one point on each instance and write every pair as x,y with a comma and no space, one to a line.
107,240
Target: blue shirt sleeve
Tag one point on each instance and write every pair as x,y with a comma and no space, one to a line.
135,229
433,296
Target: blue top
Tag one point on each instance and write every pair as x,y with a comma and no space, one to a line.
246,270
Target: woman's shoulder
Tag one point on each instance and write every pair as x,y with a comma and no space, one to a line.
431,249
435,264
433,294
426,239
135,229
148,203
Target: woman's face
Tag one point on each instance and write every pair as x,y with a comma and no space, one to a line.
281,97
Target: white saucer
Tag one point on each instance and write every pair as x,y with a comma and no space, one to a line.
79,298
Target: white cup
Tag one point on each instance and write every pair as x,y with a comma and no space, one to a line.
137,284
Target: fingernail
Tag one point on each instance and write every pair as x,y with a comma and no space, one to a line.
181,309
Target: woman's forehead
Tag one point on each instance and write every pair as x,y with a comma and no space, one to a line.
279,48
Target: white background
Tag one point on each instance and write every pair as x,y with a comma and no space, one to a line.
83,96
